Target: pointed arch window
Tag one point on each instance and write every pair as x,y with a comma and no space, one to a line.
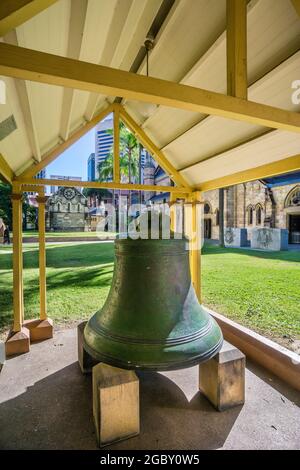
207,208
250,215
258,215
293,198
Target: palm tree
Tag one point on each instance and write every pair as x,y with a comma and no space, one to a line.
129,150
129,159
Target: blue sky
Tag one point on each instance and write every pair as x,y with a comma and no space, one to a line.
73,162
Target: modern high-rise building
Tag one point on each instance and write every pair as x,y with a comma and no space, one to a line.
91,168
104,141
41,174
53,188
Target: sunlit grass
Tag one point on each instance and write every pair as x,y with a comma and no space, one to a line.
258,289
78,279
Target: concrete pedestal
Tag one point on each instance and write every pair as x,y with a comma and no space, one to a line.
235,237
222,378
17,343
116,408
85,361
39,329
273,239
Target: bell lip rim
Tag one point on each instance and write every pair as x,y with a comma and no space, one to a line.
199,359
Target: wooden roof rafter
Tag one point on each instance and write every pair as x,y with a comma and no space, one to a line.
119,114
60,148
13,13
286,165
42,67
6,172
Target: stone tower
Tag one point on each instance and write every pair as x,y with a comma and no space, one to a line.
149,171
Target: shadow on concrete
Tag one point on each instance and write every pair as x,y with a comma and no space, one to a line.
274,382
56,413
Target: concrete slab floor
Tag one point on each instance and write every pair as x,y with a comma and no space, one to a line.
45,403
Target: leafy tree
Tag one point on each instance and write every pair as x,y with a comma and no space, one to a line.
99,193
129,158
5,203
29,212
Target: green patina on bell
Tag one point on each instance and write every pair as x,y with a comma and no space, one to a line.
152,319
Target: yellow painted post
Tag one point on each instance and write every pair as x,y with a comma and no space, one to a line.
116,146
195,242
173,199
42,253
18,305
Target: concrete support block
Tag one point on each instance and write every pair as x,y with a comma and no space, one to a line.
86,362
39,329
222,378
235,237
116,408
17,343
274,239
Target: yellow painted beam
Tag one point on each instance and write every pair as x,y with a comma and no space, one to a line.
6,172
59,149
279,167
152,148
56,70
116,171
100,184
18,306
296,4
41,200
236,45
13,13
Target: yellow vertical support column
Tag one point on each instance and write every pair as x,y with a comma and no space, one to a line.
43,328
173,199
116,170
18,303
41,200
195,241
18,338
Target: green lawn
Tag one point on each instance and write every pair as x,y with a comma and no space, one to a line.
257,289
78,279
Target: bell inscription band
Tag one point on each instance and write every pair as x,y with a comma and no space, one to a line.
152,319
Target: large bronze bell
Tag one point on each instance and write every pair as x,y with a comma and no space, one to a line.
152,319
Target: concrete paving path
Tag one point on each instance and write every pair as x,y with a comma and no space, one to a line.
45,403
